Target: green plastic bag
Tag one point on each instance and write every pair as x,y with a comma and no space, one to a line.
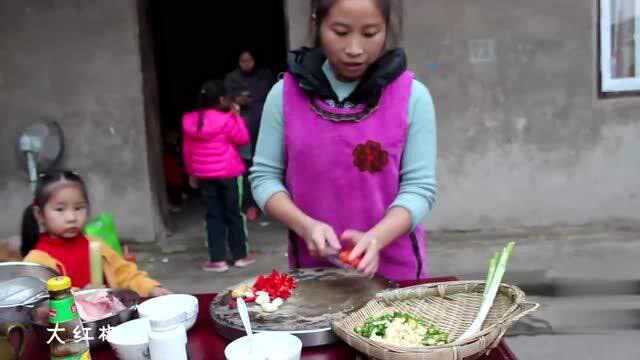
104,227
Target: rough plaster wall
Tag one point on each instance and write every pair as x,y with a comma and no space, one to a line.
523,138
77,62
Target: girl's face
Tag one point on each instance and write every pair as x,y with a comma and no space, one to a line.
353,36
65,214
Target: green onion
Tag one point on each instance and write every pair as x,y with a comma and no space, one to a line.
378,326
497,268
492,269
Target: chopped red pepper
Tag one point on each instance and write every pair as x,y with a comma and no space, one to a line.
276,284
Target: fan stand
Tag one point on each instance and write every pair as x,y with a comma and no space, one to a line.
30,146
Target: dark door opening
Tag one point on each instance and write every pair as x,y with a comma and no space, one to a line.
197,41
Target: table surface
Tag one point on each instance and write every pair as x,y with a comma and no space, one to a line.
206,344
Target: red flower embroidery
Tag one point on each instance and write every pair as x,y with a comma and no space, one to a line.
370,157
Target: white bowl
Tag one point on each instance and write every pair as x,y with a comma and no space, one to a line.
130,340
171,305
276,345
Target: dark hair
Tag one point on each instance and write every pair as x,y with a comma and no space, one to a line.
391,11
44,190
247,51
209,98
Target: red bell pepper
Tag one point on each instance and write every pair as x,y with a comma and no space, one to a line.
276,284
344,257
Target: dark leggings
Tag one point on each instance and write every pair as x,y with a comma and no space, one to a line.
247,196
224,221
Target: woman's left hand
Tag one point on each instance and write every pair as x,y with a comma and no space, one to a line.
368,247
159,291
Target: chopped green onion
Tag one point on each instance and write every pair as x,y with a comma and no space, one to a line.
377,327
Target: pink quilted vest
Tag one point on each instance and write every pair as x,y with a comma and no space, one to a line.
347,174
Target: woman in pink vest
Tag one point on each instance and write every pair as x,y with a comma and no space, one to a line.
347,146
212,135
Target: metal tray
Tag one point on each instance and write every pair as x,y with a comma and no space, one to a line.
322,296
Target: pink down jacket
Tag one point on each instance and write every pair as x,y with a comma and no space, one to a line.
211,152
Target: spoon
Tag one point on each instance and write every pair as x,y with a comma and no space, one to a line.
246,322
244,316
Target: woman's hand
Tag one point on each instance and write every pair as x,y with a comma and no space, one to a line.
159,291
368,247
320,238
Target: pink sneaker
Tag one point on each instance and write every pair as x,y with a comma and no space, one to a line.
215,266
244,262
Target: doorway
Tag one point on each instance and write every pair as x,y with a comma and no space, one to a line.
192,42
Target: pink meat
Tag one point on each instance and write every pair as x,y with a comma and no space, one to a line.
97,306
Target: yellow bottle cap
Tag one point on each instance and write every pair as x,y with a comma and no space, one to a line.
59,283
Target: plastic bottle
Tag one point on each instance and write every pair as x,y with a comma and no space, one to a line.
168,338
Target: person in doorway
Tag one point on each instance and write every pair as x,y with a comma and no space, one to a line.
60,209
347,147
211,137
249,86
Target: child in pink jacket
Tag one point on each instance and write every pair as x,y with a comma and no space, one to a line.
212,135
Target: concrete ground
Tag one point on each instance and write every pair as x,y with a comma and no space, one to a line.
585,278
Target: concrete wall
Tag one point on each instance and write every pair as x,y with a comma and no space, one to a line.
523,138
78,62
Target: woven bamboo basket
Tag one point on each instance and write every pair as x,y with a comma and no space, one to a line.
452,307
